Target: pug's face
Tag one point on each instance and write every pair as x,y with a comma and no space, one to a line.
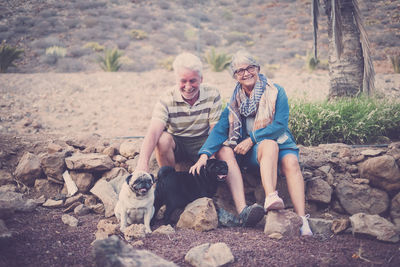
140,182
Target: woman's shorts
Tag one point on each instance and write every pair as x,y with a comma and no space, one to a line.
250,159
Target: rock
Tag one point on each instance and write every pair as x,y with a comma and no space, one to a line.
356,198
71,207
11,202
74,199
83,180
164,230
382,172
53,165
47,188
70,184
208,255
106,228
84,141
69,220
89,162
5,177
340,225
277,236
199,215
131,148
395,211
81,210
53,148
375,226
28,169
134,231
372,152
113,173
114,252
51,203
284,222
109,151
105,192
320,226
319,190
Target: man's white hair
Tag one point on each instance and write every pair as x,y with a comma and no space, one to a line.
188,61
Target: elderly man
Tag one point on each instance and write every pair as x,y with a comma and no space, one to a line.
182,117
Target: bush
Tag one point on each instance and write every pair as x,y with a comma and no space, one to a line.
218,62
56,51
138,34
349,120
166,63
94,46
7,55
111,60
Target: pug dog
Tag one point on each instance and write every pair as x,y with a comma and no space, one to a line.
177,189
135,200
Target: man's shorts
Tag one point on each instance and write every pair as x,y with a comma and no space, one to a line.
186,148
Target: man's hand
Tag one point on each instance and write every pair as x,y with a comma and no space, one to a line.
244,146
200,163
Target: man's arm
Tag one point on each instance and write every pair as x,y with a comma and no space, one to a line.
150,141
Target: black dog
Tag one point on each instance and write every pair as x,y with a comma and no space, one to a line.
177,189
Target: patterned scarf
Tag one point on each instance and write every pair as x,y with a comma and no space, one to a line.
261,103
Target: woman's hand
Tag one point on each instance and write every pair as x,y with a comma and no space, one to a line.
244,146
200,163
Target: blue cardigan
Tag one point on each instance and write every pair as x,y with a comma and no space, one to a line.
278,130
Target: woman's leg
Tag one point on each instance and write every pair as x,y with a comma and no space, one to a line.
234,177
267,156
291,169
165,150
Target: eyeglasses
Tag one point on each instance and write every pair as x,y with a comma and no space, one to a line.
250,69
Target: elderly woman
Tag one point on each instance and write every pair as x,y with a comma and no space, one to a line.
254,128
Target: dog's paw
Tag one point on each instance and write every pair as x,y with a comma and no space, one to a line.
148,231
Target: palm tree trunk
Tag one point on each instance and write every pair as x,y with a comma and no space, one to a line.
346,63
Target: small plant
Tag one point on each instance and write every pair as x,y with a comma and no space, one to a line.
94,46
138,34
311,62
7,55
218,62
395,63
166,63
56,51
111,60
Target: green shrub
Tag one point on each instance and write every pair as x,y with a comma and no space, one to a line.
7,55
349,120
166,63
94,46
111,60
56,51
395,60
218,62
138,34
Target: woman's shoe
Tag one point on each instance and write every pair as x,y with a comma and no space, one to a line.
273,202
305,228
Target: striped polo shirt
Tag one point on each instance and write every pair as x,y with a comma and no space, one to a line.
182,119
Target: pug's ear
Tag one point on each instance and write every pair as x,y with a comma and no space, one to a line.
128,178
153,178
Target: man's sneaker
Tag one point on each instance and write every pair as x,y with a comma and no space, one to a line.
227,219
305,228
273,202
251,215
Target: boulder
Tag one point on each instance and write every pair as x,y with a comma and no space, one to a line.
83,180
53,165
210,255
374,225
199,215
114,252
356,198
319,190
91,162
28,169
284,222
131,148
383,172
